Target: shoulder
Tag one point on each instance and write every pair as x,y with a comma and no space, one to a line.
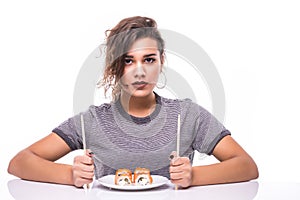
185,105
94,111
168,101
101,108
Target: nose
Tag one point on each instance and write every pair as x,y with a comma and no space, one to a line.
139,71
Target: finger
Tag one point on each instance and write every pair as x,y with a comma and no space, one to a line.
181,179
175,175
89,153
87,168
181,183
177,161
80,167
175,169
178,169
83,159
87,160
81,181
180,161
176,181
86,175
173,155
83,174
180,175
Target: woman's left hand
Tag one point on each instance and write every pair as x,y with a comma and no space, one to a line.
181,171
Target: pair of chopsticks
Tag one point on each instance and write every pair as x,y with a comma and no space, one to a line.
85,186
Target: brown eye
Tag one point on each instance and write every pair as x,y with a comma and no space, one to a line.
127,61
149,60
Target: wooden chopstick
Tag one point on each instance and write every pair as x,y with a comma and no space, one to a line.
178,135
85,186
178,142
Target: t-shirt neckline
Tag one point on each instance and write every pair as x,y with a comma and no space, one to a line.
140,120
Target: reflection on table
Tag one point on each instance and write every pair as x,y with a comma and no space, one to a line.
21,189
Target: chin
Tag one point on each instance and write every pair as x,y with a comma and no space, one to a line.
141,93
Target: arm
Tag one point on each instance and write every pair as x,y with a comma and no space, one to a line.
36,163
235,166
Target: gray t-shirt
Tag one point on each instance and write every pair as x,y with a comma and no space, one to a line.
120,140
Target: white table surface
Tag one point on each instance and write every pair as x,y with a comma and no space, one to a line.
23,190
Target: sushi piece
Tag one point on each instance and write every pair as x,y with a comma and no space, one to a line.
123,177
142,176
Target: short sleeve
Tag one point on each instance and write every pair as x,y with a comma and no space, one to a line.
70,132
209,131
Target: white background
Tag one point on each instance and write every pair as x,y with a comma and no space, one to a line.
255,46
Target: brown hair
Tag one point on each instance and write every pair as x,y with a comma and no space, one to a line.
118,41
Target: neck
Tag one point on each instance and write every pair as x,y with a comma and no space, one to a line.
138,106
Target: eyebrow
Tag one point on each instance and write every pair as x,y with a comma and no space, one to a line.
145,56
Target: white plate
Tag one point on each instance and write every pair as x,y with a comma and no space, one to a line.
109,181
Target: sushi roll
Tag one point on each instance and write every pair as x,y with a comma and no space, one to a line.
142,176
123,177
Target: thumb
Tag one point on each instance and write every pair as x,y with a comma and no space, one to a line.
89,152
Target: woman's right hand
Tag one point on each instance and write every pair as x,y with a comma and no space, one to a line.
83,170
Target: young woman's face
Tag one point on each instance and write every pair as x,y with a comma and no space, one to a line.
142,66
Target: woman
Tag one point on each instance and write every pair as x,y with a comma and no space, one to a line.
139,127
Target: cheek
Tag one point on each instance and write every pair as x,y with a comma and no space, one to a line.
126,72
154,72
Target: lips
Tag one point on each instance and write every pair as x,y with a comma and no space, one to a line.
140,83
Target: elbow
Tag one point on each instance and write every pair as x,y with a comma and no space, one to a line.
253,172
11,167
14,165
248,169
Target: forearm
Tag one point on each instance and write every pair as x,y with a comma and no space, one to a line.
236,169
29,166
